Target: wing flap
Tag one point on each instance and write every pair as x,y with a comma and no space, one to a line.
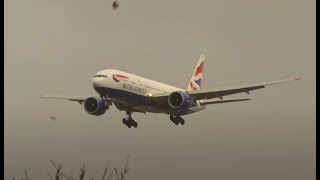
224,101
70,98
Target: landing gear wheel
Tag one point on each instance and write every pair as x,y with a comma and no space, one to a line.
135,124
177,120
129,125
182,121
124,121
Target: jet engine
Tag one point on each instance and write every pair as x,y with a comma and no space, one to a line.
95,106
179,100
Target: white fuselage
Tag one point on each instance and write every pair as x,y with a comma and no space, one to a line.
132,89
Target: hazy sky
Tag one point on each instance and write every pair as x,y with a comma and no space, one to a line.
56,46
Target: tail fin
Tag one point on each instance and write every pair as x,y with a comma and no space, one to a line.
196,78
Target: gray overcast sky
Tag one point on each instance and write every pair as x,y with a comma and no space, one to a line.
56,46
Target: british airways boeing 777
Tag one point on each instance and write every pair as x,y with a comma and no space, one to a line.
132,93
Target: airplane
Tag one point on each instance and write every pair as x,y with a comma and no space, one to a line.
131,93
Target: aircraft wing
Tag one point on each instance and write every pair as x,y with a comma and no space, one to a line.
79,99
221,92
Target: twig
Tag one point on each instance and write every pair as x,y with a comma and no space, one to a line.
68,177
50,176
125,170
26,174
59,175
82,172
116,171
105,173
58,169
110,175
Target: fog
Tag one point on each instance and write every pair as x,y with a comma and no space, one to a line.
56,46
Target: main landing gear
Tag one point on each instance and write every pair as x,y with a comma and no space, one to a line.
129,122
176,120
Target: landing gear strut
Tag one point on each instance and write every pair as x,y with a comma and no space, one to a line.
129,122
176,120
108,103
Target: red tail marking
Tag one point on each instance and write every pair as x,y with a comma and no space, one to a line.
192,86
199,69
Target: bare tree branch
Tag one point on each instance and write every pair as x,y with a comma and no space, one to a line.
26,174
50,176
82,172
105,173
58,170
54,165
116,171
110,175
125,170
68,177
59,175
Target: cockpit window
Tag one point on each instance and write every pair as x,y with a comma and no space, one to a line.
100,75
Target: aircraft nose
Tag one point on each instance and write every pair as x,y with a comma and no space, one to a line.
97,82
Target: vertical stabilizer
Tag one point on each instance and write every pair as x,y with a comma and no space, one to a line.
196,78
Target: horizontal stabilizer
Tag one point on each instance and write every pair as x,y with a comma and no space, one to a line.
224,101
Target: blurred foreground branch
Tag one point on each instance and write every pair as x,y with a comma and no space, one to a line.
124,172
59,175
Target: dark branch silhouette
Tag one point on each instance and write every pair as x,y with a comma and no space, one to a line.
125,170
59,175
26,174
82,172
58,170
50,176
109,177
105,173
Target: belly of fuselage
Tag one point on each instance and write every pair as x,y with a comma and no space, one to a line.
137,101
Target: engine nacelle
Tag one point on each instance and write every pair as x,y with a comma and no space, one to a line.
95,106
179,100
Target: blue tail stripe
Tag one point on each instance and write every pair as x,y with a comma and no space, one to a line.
198,82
